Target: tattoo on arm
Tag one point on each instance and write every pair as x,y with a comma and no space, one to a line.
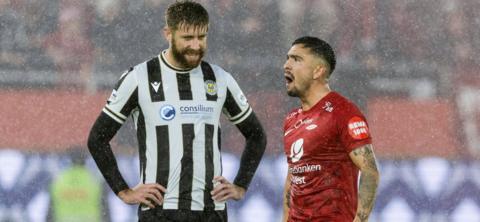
287,198
364,158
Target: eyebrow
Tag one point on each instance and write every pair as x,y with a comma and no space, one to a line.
294,56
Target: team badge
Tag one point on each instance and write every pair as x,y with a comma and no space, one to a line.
296,150
167,112
210,87
357,128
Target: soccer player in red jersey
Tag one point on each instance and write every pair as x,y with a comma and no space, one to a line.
327,143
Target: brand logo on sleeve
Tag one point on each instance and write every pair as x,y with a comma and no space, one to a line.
357,128
112,97
167,112
296,150
242,99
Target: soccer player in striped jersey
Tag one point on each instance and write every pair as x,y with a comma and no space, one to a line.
176,100
326,142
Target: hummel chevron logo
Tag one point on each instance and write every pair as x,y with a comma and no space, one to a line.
155,85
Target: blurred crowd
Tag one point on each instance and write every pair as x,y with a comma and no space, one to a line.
414,49
431,41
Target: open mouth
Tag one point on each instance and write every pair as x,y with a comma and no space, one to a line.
288,78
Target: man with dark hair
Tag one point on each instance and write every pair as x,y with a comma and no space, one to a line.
326,142
176,100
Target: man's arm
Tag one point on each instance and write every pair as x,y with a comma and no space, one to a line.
286,197
364,159
99,146
256,142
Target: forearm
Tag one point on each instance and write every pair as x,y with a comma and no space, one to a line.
99,146
366,194
286,198
254,149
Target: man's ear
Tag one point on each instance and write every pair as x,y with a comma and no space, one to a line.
320,71
167,33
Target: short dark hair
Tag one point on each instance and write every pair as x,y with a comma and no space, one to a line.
186,13
319,48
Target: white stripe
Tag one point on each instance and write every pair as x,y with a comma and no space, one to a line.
249,111
198,154
176,153
217,165
150,153
112,116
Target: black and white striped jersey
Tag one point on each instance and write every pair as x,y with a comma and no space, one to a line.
177,116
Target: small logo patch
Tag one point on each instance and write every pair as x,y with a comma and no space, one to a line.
167,112
211,87
296,150
357,128
242,99
155,85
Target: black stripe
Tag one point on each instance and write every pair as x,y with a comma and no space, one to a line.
219,138
120,81
163,155
209,167
241,116
231,105
113,113
209,75
155,76
219,133
184,87
186,174
142,146
131,103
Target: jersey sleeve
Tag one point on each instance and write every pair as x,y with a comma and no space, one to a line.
124,97
236,106
353,127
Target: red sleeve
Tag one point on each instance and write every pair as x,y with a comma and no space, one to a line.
353,128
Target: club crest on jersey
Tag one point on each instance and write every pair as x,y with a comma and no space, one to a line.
167,112
211,87
357,128
296,150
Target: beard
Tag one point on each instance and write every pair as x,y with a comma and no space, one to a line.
292,93
181,56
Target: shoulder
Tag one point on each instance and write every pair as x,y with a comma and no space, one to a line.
343,106
218,71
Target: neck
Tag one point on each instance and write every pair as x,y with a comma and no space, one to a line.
313,95
171,60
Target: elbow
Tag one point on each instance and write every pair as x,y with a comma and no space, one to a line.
92,141
262,138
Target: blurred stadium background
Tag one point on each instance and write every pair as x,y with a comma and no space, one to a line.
412,66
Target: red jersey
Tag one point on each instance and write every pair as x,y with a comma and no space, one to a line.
317,145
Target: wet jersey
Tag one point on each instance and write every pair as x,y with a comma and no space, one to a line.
317,145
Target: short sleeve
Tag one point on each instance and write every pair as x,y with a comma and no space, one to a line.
124,97
236,106
353,127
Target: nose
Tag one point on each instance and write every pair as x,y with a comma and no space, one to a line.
195,44
286,65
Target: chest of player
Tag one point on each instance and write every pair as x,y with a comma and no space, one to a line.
312,137
181,98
